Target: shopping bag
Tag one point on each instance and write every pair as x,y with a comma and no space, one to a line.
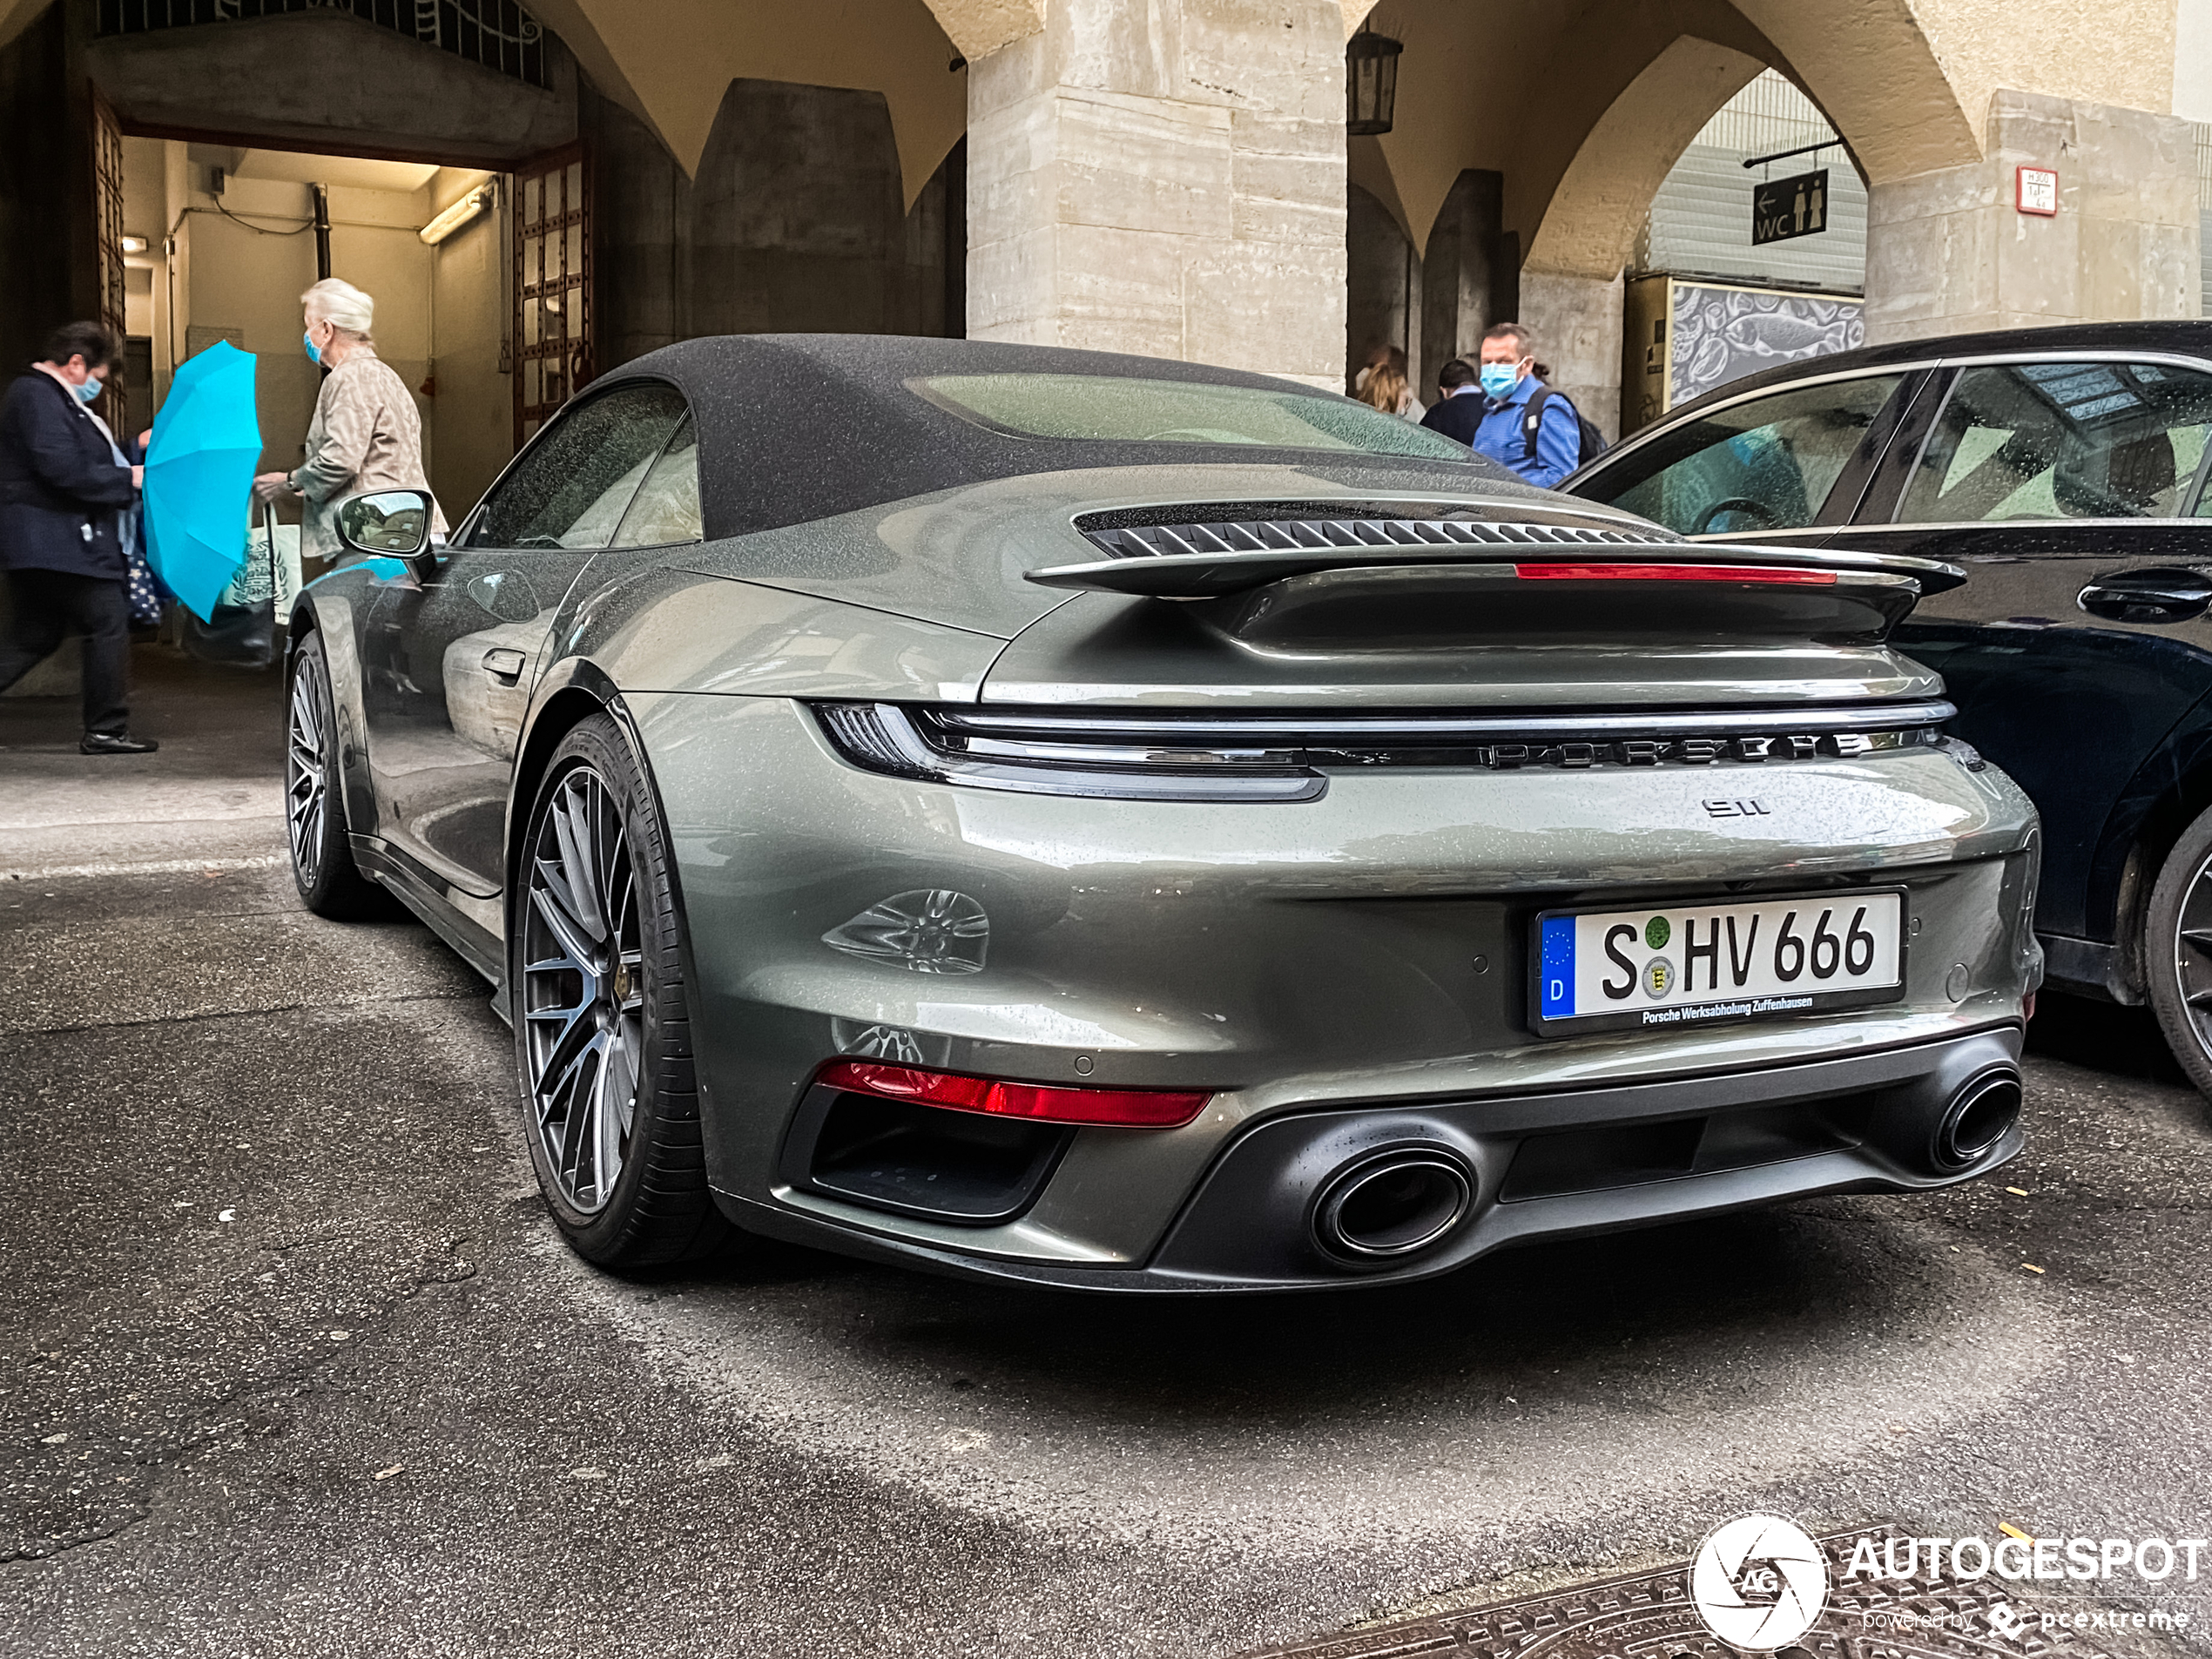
242,631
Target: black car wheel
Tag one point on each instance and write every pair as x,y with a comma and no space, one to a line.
2177,951
602,1030
314,803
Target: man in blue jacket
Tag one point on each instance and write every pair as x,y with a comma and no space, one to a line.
1509,383
62,485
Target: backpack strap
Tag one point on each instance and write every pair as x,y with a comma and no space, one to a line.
1532,420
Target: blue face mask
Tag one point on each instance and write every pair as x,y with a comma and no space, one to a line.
308,339
1499,379
88,393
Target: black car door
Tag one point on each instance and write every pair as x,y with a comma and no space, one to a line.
1788,462
2066,487
451,658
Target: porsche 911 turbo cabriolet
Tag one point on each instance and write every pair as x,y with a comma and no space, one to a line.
1127,825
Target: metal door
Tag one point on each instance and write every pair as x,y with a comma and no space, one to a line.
553,356
107,220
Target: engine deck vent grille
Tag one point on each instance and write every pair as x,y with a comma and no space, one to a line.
1277,535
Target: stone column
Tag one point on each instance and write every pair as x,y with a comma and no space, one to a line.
1949,253
1469,275
1166,179
1576,323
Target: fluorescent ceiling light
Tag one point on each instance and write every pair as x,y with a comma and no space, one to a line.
457,215
134,245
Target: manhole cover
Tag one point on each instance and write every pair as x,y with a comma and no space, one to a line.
1648,1615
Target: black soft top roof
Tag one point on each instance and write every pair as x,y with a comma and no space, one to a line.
794,427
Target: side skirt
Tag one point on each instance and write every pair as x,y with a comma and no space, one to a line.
426,895
2087,968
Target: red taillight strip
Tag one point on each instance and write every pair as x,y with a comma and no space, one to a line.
1674,573
1102,1108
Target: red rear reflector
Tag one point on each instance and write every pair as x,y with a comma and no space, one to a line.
1114,1108
1674,573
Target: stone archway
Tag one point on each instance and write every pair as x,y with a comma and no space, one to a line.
1570,280
670,64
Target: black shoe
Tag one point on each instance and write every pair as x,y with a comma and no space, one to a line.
115,743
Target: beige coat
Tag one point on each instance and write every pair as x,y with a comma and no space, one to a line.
367,434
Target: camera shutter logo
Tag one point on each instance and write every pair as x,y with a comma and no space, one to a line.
1759,1584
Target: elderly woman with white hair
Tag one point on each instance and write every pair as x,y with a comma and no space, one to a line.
366,434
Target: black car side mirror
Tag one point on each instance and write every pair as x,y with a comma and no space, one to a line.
387,523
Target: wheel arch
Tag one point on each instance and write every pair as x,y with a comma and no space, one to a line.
2169,792
573,691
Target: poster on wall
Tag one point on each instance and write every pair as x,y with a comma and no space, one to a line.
1716,335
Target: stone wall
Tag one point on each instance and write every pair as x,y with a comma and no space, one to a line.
641,233
794,224
1948,252
1167,180
797,221
256,77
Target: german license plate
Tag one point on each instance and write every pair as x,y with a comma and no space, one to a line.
1672,967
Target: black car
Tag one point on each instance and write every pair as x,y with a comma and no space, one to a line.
2064,469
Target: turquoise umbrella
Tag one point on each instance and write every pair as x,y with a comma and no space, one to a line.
199,476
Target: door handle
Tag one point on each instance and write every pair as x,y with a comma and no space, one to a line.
505,664
2148,596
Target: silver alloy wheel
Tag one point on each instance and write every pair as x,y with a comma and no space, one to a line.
307,772
583,996
2192,954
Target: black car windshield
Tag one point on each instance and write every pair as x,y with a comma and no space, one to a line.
1096,408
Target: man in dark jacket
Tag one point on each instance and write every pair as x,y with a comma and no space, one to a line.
61,490
1457,409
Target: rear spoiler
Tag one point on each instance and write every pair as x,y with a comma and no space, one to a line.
1216,575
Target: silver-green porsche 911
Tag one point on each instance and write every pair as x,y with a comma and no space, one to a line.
1131,826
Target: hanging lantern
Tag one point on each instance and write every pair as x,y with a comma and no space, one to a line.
1370,83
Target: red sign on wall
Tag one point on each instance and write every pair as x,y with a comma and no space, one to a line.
2036,190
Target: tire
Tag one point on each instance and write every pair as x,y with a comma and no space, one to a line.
2177,951
602,1029
330,883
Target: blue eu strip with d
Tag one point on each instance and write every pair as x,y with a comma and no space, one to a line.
1556,991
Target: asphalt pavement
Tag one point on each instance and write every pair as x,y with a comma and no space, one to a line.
294,1364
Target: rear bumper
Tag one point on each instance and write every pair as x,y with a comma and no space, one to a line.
1358,958
1538,1166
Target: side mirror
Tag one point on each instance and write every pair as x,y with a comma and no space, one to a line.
388,525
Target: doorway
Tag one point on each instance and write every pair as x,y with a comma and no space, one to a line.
225,235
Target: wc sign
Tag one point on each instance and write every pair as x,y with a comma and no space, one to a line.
1783,209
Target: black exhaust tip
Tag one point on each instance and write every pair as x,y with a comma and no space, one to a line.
1977,1118
1393,1205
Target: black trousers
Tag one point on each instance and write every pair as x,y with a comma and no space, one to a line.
50,605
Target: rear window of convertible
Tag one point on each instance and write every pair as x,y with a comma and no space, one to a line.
1098,408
